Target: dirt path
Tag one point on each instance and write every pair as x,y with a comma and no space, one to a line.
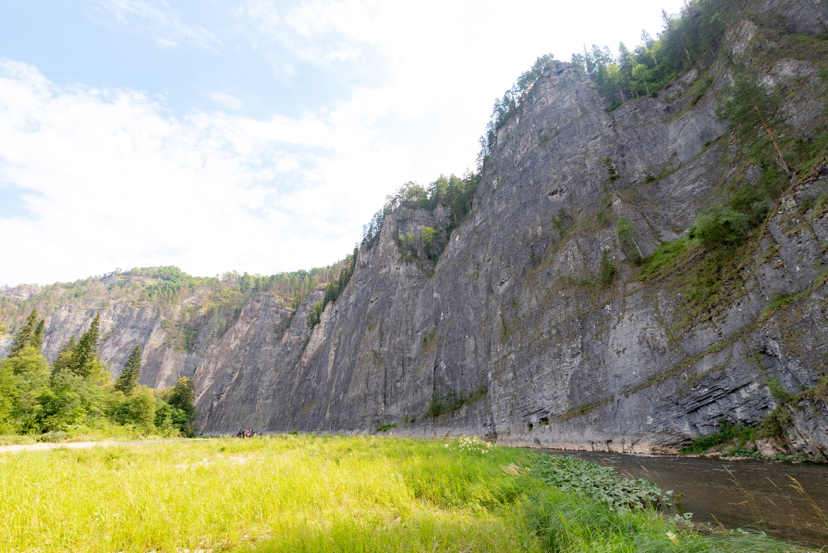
79,445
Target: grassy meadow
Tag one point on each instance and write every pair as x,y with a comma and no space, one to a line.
331,493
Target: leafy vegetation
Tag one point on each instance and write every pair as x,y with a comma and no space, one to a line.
626,237
452,401
607,271
771,154
334,288
737,440
334,493
172,285
599,482
510,105
612,174
724,434
665,255
128,379
424,244
686,39
562,221
453,193
214,303
76,391
751,112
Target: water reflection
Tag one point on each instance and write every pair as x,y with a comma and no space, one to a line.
736,494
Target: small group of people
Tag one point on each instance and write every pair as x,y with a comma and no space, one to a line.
246,433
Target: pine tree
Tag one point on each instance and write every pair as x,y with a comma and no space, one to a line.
64,358
128,378
752,113
37,337
86,350
24,337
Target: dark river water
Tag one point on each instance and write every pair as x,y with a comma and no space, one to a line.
737,494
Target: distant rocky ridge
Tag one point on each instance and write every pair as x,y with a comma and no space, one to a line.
511,316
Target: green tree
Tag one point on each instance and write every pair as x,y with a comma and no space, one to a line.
129,376
182,399
608,270
164,417
141,408
720,226
429,236
138,408
8,395
626,236
752,113
64,358
315,314
72,398
37,337
641,75
60,405
29,372
84,354
24,337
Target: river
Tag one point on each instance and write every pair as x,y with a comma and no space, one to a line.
736,494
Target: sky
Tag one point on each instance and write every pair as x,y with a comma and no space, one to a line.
249,135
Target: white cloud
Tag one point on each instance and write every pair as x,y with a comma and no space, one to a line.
156,18
166,43
116,182
442,63
223,99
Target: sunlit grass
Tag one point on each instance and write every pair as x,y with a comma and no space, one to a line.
311,493
285,490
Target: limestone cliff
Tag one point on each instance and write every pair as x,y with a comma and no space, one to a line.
509,334
510,312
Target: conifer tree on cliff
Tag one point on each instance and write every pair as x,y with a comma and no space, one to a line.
24,337
128,378
37,337
85,352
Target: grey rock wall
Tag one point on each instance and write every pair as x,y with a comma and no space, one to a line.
506,310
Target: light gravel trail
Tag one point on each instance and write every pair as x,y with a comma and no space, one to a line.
82,445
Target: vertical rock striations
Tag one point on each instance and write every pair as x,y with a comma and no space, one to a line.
512,315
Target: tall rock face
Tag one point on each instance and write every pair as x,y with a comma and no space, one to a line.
512,314
175,335
522,330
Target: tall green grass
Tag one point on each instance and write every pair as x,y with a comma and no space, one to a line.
314,493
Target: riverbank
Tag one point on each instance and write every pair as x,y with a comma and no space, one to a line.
330,493
788,501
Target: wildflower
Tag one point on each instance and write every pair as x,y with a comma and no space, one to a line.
673,538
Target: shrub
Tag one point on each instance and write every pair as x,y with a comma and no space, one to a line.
720,226
452,401
666,254
626,237
315,314
724,434
775,423
612,174
608,270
